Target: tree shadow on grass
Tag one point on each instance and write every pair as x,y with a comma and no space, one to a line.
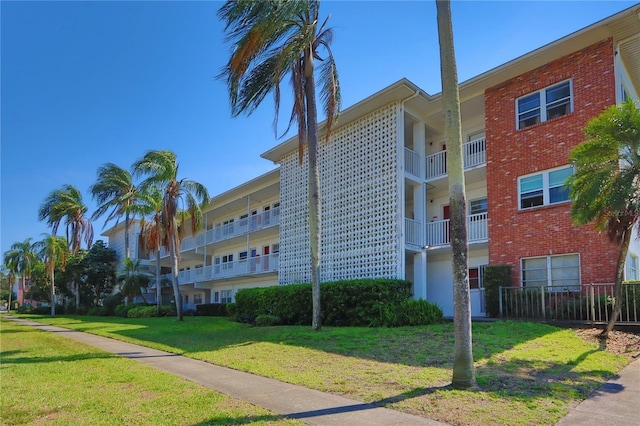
240,420
12,357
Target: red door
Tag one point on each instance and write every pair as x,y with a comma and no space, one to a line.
265,259
446,215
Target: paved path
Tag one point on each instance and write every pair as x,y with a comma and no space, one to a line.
616,403
296,402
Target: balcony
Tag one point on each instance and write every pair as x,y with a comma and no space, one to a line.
439,234
435,165
230,230
244,267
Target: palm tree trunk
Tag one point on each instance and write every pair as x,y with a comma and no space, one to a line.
53,293
158,282
463,371
617,287
174,276
127,250
313,190
76,287
11,282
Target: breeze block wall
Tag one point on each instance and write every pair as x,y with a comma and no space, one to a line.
358,171
545,230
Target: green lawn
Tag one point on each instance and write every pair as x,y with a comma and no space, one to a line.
529,374
48,379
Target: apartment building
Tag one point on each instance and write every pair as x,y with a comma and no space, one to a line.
384,187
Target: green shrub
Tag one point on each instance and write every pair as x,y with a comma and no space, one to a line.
142,312
111,302
408,313
344,303
212,310
495,276
267,320
121,310
232,310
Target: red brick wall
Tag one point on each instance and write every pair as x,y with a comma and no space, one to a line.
512,153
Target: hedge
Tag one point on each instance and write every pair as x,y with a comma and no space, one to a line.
495,276
362,302
212,310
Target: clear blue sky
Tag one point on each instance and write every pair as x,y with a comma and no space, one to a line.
85,83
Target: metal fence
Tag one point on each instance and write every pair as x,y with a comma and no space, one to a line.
589,303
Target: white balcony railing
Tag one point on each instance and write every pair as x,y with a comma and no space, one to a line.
412,163
251,266
474,154
413,232
230,230
438,232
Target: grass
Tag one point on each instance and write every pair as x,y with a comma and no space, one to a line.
47,379
529,374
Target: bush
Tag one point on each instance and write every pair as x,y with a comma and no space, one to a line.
267,320
344,303
408,313
232,310
495,276
212,310
142,312
111,302
122,310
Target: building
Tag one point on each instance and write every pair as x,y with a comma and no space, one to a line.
384,189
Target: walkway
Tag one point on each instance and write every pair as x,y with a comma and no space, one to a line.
296,402
616,403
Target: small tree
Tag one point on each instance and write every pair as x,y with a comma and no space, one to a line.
605,188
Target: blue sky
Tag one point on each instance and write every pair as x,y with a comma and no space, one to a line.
85,83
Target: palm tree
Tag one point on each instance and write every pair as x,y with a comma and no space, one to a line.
182,199
270,41
114,190
132,280
463,371
152,236
20,259
605,188
52,250
66,203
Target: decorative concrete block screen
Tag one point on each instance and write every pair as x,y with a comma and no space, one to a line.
359,201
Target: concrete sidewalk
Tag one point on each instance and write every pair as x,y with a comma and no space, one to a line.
296,402
616,403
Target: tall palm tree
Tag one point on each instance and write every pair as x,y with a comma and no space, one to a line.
52,250
152,236
463,371
114,190
20,258
605,188
270,41
182,202
66,204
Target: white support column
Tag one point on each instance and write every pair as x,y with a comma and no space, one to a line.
420,275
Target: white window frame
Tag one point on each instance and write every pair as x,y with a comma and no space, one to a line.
632,268
226,296
546,197
197,298
478,200
543,106
549,274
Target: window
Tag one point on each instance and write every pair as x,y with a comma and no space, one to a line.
216,297
476,277
559,271
197,299
227,296
478,206
544,188
275,248
632,268
554,101
242,255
